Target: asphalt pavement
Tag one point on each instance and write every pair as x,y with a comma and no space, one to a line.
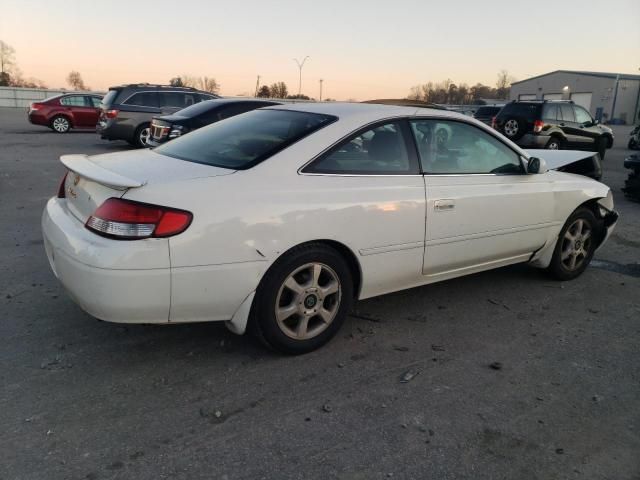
500,375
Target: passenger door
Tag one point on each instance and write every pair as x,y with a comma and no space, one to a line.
569,126
83,113
171,102
588,131
483,210
372,184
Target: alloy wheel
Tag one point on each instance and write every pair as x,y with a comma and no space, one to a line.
308,301
511,127
145,133
576,244
60,124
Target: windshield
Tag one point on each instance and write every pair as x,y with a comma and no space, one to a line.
242,141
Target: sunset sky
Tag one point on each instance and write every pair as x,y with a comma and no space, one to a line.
362,49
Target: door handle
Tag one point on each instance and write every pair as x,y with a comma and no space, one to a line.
444,205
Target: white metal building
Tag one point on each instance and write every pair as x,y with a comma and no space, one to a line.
608,96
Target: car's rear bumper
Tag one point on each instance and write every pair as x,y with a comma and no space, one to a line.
37,119
118,281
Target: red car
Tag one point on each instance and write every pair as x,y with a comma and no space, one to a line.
64,112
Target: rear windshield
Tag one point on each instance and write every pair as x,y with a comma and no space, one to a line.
522,109
242,141
486,111
108,99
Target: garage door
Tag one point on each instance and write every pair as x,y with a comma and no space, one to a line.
527,96
552,96
582,99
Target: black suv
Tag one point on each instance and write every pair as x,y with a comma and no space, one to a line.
553,124
127,110
168,127
486,113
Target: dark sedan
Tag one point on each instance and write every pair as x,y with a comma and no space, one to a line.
168,127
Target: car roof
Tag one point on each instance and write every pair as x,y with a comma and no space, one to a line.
365,111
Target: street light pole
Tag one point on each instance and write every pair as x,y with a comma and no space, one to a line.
321,80
300,65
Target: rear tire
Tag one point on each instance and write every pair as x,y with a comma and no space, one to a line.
60,124
303,299
576,245
513,128
141,136
554,143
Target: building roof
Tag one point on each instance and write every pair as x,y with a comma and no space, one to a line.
622,76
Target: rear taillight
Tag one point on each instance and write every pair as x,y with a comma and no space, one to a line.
61,188
537,126
35,106
493,122
129,220
111,113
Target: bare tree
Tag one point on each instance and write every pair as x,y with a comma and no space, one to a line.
279,90
189,81
264,92
7,61
503,84
74,79
209,84
7,58
176,82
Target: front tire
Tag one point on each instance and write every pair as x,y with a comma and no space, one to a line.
303,299
60,124
576,245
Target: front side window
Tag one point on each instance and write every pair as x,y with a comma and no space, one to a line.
143,99
582,116
74,101
567,113
243,141
381,150
448,147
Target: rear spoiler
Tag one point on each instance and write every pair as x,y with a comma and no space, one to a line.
82,165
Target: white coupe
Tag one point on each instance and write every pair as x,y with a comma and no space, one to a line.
276,220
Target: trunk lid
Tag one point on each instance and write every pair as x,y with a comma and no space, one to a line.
92,180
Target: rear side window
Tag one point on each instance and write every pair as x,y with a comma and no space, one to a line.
567,112
109,98
243,141
143,99
95,101
75,101
177,99
380,150
527,110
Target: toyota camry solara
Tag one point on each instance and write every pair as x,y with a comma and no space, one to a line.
276,220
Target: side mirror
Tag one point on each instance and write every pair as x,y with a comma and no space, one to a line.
537,165
596,122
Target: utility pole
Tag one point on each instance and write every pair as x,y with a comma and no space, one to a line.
321,80
300,65
615,97
257,86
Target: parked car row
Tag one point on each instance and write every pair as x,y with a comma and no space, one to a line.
143,115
